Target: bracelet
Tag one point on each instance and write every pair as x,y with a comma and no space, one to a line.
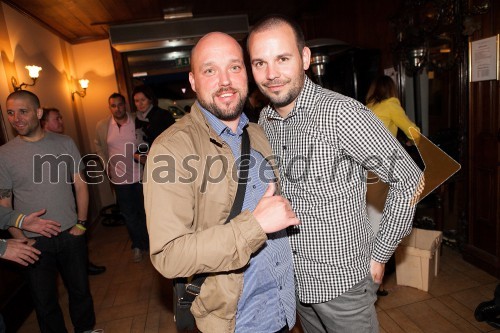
20,225
82,222
81,227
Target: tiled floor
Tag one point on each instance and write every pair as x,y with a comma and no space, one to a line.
134,298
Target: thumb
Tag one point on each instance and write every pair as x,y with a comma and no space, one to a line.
40,212
271,188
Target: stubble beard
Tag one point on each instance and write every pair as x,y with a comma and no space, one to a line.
285,98
227,114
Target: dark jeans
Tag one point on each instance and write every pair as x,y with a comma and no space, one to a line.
131,202
66,254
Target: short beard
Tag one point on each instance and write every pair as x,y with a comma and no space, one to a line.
284,100
225,115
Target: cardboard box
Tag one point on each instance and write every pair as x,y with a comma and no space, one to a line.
417,258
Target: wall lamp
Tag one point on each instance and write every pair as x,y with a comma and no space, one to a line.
34,72
84,83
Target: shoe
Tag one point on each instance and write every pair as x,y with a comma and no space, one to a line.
111,222
487,311
136,255
382,292
93,269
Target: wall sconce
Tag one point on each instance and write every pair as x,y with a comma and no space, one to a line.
34,72
84,83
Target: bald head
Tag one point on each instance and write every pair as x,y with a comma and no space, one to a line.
212,40
218,75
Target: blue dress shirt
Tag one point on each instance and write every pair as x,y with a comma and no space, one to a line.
267,302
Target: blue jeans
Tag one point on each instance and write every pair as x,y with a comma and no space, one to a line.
66,254
130,199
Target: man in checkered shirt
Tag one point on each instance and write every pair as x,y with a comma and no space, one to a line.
325,143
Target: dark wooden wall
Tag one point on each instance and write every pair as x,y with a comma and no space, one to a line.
364,24
483,248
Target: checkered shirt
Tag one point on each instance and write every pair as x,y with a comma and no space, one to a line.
324,148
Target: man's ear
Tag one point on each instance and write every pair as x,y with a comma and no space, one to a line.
306,57
39,113
192,82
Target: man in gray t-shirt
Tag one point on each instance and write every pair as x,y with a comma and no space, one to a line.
37,169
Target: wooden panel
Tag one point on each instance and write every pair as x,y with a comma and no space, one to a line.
484,130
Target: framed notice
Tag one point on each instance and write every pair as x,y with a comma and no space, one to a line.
484,59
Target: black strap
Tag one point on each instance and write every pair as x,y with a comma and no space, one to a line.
193,287
243,176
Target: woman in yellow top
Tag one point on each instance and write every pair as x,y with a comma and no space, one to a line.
382,100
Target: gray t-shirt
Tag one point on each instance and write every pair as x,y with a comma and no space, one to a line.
40,176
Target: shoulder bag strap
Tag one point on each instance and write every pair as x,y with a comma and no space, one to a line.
193,287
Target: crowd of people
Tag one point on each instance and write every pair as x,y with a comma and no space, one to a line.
302,242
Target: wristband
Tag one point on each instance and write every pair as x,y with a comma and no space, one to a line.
20,225
81,227
82,222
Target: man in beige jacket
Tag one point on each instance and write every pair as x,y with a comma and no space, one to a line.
190,186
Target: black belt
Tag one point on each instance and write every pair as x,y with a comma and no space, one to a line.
283,330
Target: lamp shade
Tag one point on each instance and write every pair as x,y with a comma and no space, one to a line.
84,83
33,70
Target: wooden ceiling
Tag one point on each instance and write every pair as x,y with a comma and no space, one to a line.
78,21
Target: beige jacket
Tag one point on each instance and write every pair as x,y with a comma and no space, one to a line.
186,211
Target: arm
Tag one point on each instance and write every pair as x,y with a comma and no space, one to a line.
31,222
362,137
401,120
6,201
82,201
9,217
100,143
182,242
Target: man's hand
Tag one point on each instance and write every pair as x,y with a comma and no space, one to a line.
75,231
34,223
19,251
141,158
273,212
377,271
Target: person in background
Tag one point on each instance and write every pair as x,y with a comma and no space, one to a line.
116,142
37,169
150,119
250,285
382,100
51,121
18,250
325,143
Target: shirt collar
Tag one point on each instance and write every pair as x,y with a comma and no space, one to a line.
219,127
305,101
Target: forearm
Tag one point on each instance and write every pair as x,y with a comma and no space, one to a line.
16,233
397,220
6,201
82,197
10,218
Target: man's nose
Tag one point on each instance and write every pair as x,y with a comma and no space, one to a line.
224,79
271,72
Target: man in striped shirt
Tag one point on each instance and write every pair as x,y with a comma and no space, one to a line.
325,143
